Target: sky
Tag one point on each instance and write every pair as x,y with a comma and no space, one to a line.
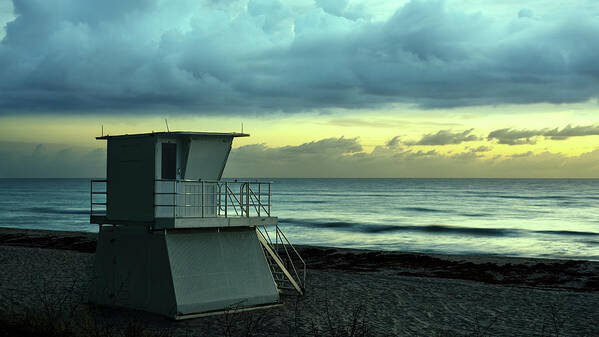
326,88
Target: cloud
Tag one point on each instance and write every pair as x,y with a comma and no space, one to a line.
481,148
393,142
518,137
466,156
357,122
570,131
340,158
324,147
514,137
260,56
30,160
445,137
421,153
318,158
520,155
384,123
331,157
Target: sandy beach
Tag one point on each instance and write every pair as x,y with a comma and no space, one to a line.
371,293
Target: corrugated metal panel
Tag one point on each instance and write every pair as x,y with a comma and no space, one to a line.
181,272
217,270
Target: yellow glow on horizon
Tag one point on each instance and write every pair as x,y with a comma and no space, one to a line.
373,128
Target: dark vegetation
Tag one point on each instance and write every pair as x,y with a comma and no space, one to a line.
85,243
563,274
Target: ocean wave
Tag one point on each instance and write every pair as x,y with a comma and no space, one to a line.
316,194
527,197
566,232
425,209
376,228
51,210
432,229
568,203
302,202
319,224
467,230
476,215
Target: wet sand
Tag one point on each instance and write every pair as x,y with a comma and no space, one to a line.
374,293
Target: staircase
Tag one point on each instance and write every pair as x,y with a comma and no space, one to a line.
283,258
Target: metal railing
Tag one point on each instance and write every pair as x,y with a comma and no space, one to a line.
208,198
97,197
285,255
198,198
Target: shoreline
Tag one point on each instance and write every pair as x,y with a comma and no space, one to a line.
574,275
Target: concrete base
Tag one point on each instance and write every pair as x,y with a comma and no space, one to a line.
181,273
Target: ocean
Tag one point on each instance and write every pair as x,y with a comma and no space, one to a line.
552,218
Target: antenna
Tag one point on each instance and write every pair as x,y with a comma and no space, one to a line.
102,130
241,127
167,129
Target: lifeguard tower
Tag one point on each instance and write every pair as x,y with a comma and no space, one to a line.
177,240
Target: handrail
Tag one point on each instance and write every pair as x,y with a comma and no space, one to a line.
269,249
254,198
231,195
299,282
92,193
200,198
209,198
280,232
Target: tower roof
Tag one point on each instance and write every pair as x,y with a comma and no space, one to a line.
178,133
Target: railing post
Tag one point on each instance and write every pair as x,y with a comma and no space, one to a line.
268,199
203,198
219,198
259,198
247,198
226,196
91,197
242,199
174,199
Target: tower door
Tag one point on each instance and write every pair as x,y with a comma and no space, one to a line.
169,160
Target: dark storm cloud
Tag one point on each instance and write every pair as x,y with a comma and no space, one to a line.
445,137
518,137
225,57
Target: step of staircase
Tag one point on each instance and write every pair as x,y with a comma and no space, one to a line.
281,267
